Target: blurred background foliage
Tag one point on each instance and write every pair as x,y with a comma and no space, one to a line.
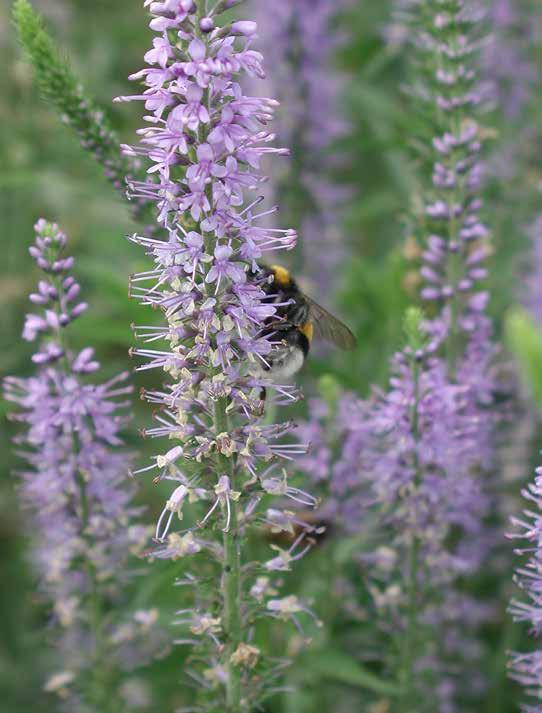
44,172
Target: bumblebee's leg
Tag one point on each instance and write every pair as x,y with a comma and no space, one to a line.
263,394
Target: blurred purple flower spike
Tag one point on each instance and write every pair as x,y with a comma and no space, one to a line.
75,483
300,40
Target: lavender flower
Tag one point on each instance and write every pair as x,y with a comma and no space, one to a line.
337,434
204,141
455,239
300,40
74,488
456,248
445,43
400,474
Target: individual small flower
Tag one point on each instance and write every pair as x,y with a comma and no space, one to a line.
178,546
59,683
224,497
287,609
245,655
262,588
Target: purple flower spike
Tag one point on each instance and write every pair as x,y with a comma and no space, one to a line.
74,485
204,142
403,482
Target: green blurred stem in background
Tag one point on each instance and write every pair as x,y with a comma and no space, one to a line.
60,87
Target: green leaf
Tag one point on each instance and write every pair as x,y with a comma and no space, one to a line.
412,326
338,666
524,339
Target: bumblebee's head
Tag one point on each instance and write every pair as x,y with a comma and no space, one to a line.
281,276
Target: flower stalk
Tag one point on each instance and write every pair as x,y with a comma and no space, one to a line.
203,145
231,574
74,487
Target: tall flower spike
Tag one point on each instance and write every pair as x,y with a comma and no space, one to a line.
74,487
446,42
403,479
300,40
420,448
454,236
204,141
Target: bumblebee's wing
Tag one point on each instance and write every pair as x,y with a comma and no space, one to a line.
328,327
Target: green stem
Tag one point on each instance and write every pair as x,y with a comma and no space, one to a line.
408,656
231,563
410,638
231,576
100,694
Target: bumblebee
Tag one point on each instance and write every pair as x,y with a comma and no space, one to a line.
298,319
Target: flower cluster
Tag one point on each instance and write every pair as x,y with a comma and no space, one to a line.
74,485
337,434
204,141
455,238
527,667
455,251
419,456
299,40
404,481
